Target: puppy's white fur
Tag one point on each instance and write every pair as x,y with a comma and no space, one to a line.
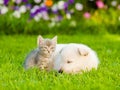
74,58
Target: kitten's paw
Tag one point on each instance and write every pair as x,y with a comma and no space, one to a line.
83,52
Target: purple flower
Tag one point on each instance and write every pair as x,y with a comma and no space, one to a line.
32,15
43,8
70,1
28,6
55,11
37,10
6,2
59,18
66,6
34,11
25,1
16,8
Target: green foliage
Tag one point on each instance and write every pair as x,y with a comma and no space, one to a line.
101,22
13,50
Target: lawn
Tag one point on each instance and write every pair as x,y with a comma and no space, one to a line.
13,50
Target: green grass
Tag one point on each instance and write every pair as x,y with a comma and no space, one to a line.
13,50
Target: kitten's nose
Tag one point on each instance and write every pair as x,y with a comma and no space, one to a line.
60,71
48,51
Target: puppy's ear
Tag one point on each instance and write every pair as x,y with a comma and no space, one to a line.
55,39
83,52
40,40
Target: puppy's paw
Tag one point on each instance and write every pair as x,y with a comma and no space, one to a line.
83,52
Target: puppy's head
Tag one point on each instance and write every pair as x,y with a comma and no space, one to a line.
68,60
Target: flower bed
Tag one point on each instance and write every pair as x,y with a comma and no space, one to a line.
70,13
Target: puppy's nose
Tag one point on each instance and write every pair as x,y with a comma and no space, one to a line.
60,71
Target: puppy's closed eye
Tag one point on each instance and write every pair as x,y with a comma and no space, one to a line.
83,52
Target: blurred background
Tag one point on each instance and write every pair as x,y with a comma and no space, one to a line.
59,17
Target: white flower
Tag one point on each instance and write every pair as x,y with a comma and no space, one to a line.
73,23
22,9
52,19
68,16
37,1
4,10
52,24
79,6
37,18
1,1
42,5
17,14
18,1
119,18
39,15
54,7
114,3
61,5
13,0
72,11
34,8
45,15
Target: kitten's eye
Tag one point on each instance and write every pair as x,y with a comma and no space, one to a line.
69,61
43,48
52,47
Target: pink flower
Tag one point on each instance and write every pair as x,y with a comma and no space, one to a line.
18,1
100,4
87,15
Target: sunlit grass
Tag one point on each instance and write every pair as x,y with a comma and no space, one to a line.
13,50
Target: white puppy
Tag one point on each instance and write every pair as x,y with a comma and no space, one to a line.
74,58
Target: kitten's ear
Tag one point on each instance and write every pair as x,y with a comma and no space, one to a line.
55,39
40,40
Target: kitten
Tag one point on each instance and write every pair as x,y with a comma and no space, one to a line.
42,57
